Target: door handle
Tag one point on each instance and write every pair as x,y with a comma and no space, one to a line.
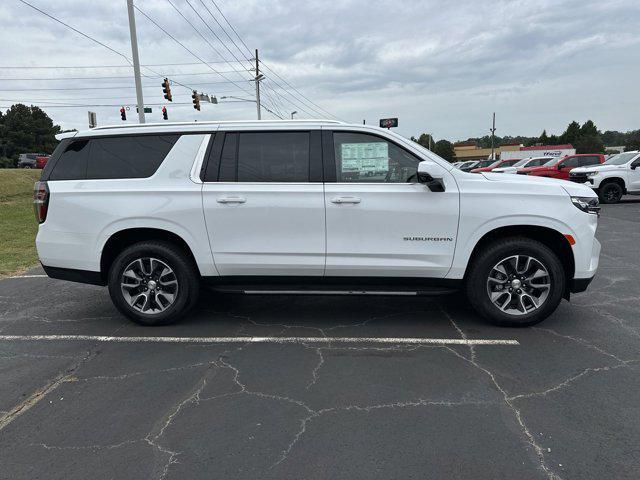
231,200
345,200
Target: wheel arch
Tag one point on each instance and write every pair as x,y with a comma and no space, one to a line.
550,237
620,181
121,239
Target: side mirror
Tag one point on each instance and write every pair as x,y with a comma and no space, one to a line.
560,166
635,165
430,174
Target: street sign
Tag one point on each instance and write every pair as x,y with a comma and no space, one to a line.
388,122
146,109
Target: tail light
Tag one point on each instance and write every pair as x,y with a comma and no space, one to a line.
41,200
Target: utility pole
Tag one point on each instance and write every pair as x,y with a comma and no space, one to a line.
493,131
258,78
136,60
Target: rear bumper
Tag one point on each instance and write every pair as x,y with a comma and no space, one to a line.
73,275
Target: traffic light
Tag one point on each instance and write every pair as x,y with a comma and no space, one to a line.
123,114
164,113
196,100
166,89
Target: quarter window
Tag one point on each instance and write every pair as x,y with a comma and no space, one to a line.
273,157
129,156
72,164
370,159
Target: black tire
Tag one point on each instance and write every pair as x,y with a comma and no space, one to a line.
482,266
186,275
610,192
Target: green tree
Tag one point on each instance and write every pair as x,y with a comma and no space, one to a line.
544,138
423,140
571,134
445,149
589,129
26,129
633,141
589,144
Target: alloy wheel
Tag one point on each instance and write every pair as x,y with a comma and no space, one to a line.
519,284
149,285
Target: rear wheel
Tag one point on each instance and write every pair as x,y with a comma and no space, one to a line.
610,192
516,282
153,283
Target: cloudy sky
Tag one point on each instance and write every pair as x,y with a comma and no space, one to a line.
440,66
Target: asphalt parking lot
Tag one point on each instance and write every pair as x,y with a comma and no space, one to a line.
555,401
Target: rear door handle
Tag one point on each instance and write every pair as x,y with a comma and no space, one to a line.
232,200
345,200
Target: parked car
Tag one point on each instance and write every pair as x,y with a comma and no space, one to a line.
618,176
42,161
525,162
152,211
496,164
560,167
469,166
28,160
464,164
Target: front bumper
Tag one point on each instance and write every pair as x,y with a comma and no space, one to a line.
579,285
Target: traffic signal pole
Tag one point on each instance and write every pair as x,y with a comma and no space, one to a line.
136,60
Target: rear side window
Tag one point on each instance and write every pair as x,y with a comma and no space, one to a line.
128,157
273,157
72,164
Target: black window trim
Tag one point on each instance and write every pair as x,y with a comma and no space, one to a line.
53,160
316,156
329,160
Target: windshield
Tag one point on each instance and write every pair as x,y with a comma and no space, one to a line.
522,162
486,163
621,158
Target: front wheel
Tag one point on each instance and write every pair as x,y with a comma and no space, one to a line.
610,193
516,282
153,283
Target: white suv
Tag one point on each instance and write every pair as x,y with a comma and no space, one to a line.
619,175
153,211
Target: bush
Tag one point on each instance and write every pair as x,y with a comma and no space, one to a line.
7,162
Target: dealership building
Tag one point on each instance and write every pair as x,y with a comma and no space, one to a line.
470,151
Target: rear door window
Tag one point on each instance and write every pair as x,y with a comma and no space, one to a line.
72,164
273,157
128,156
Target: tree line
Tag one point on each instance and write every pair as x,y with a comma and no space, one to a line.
585,138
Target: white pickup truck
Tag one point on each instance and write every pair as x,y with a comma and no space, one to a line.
617,176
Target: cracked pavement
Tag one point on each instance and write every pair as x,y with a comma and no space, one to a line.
561,404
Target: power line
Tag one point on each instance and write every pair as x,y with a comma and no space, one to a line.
76,30
113,87
212,32
234,30
34,67
111,77
296,90
225,31
84,105
185,47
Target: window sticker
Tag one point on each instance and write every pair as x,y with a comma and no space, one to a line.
365,158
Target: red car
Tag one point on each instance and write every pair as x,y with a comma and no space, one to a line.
498,163
560,167
41,161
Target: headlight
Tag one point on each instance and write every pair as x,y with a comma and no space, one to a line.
591,174
587,204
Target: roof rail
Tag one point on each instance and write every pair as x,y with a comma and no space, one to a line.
212,122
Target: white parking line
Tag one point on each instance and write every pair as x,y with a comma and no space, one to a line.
26,276
280,340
